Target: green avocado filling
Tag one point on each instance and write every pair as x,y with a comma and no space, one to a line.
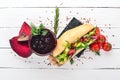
79,44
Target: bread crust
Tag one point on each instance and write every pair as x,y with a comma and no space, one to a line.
71,36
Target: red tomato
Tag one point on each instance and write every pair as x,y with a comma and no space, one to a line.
101,39
106,46
97,33
95,48
71,52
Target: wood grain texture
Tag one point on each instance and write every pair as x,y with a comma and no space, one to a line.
61,3
89,60
37,74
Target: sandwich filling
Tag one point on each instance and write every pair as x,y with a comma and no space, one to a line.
71,49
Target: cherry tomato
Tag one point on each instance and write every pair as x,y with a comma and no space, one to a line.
106,46
95,48
71,52
101,39
97,33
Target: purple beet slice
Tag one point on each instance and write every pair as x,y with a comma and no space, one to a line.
43,44
25,32
20,47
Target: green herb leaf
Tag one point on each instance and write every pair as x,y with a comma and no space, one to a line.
34,29
32,25
44,32
56,20
86,45
79,47
97,53
41,27
71,61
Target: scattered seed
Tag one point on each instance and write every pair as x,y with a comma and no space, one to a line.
67,18
27,18
105,24
109,24
109,27
77,13
90,58
113,35
52,11
61,3
91,9
76,64
38,62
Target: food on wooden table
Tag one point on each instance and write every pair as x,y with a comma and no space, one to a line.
106,46
25,32
72,42
95,47
43,40
20,43
100,43
32,39
72,24
21,48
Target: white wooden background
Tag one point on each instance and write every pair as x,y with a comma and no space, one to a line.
104,13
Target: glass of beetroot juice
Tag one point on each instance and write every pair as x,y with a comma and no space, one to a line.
43,43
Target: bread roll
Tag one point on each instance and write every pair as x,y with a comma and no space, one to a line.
71,36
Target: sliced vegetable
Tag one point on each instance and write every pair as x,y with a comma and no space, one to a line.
97,32
106,46
95,48
101,39
71,52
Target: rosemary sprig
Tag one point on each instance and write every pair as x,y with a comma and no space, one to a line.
56,20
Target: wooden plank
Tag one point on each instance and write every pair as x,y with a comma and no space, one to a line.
62,3
37,74
107,60
113,35
14,17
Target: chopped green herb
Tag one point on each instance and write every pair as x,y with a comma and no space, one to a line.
86,45
97,53
41,27
71,61
79,47
36,31
44,32
56,20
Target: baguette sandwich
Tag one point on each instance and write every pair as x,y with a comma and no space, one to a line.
71,42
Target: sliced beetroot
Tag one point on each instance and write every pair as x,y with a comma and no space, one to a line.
25,32
21,48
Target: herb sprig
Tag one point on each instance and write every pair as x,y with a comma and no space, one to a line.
56,20
39,30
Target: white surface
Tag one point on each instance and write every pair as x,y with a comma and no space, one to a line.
104,13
